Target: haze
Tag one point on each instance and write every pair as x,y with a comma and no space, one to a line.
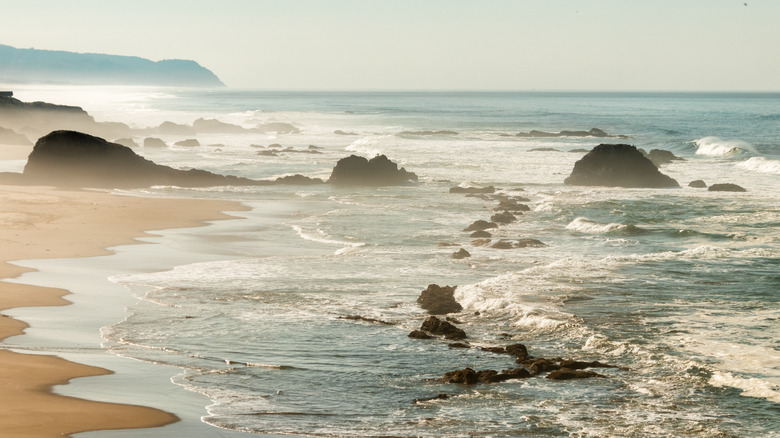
719,45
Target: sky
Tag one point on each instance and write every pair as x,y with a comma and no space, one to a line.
621,45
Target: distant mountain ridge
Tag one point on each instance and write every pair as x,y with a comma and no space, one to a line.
60,67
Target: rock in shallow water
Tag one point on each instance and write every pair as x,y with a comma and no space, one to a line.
617,165
439,300
378,171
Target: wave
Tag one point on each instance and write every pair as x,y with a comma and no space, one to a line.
366,146
322,237
760,164
716,146
585,225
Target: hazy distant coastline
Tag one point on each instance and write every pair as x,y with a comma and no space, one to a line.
69,68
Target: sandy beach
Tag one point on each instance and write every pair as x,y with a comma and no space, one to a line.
46,223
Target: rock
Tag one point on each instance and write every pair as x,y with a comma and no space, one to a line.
426,133
190,142
214,126
465,376
543,150
579,151
298,180
698,184
581,365
9,136
461,254
170,128
129,142
378,171
480,225
519,351
417,334
69,158
480,242
365,319
439,300
503,218
594,132
727,187
617,165
518,243
268,153
459,345
568,374
517,373
660,157
278,128
340,132
539,366
480,234
427,399
473,190
153,142
512,206
435,326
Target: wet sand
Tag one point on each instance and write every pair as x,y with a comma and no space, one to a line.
45,223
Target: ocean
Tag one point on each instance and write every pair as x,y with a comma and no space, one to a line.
677,288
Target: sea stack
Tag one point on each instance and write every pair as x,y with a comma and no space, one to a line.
617,165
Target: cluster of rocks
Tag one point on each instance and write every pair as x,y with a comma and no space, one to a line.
594,132
506,212
75,159
439,300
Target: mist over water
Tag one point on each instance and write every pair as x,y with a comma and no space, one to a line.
678,287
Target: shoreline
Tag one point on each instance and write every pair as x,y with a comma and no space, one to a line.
46,223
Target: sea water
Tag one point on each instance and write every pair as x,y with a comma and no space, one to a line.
679,288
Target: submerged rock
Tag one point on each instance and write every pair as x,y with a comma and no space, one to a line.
378,171
594,132
473,190
503,218
480,234
698,184
660,157
726,187
617,165
481,225
518,243
439,300
569,374
461,254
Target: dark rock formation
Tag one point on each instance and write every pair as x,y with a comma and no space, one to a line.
465,376
617,165
437,327
594,132
581,365
378,171
439,300
543,150
216,126
340,132
660,157
365,319
512,206
426,133
435,397
417,334
503,218
568,374
190,142
154,142
461,254
473,190
298,180
726,187
480,225
539,366
480,234
698,184
518,243
129,142
468,376
69,158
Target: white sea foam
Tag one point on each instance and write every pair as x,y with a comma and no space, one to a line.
585,225
323,237
761,164
716,146
366,146
751,387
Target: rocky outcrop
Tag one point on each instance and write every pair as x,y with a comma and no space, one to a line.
594,132
698,184
298,180
503,218
437,327
481,225
129,142
468,376
660,157
461,254
473,190
726,187
153,142
190,142
439,300
617,165
378,171
569,374
69,158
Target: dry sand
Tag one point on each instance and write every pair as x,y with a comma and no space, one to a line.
38,223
